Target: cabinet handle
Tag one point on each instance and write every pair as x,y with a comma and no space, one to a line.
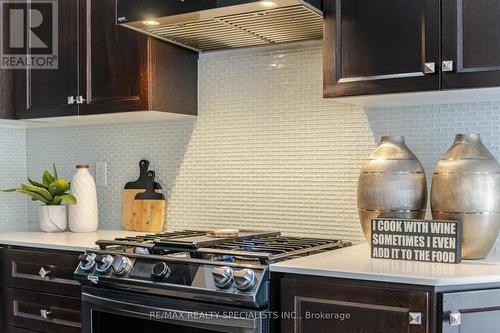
447,66
45,313
430,68
44,272
455,319
71,100
80,100
415,318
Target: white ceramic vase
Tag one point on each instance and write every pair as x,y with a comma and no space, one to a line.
83,217
53,218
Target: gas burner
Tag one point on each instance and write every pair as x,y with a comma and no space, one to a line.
270,249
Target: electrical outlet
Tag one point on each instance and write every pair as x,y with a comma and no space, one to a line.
101,174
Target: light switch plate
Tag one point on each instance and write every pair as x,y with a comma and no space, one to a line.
101,174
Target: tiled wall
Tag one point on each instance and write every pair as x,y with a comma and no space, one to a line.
122,146
13,206
266,152
269,152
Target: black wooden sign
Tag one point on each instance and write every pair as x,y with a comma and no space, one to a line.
417,240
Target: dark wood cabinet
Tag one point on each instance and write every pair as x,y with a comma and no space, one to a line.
7,110
388,46
114,73
41,271
471,42
310,304
322,306
39,291
111,68
45,92
380,46
46,313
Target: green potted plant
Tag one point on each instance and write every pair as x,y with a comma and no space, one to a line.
52,193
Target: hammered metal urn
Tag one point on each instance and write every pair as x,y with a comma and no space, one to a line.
466,187
392,183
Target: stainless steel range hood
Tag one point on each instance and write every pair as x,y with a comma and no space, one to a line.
204,25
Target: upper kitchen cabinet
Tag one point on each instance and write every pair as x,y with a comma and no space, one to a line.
114,62
6,94
380,46
471,44
104,68
123,70
45,92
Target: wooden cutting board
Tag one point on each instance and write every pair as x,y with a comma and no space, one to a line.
130,190
149,208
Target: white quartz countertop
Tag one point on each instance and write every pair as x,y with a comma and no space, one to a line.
355,263
66,241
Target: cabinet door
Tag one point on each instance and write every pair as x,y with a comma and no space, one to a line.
45,92
7,94
114,73
471,30
472,311
380,46
324,307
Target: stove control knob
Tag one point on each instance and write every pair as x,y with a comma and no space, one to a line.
223,277
87,261
244,279
159,271
122,265
103,263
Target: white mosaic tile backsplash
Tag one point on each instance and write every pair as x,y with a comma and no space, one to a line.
13,213
266,152
122,146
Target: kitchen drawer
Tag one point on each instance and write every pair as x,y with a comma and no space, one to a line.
24,269
42,312
370,308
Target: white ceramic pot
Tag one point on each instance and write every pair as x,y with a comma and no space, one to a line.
53,218
83,217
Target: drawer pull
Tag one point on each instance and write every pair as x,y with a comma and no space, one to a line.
447,66
415,318
430,68
45,313
44,272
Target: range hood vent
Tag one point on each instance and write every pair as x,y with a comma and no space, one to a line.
235,26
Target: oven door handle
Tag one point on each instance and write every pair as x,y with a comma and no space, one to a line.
224,323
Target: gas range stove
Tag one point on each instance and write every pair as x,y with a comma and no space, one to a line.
194,265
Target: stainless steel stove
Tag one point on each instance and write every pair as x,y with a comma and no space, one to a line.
186,280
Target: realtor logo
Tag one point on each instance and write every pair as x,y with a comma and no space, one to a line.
28,34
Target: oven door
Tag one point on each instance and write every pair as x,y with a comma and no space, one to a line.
105,310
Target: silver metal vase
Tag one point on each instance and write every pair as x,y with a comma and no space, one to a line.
466,187
392,183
